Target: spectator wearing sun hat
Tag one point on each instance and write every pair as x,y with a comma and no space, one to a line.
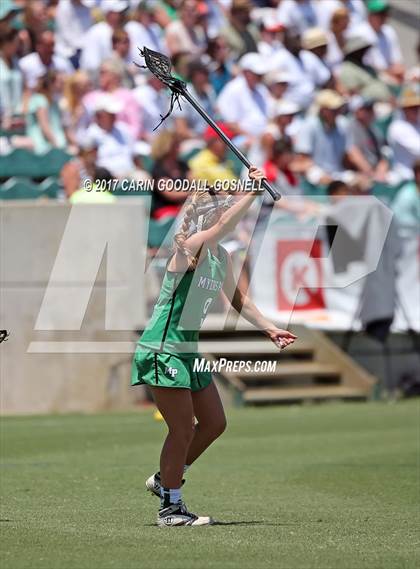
245,101
385,53
284,121
308,72
210,163
323,139
357,77
278,82
404,134
98,40
315,40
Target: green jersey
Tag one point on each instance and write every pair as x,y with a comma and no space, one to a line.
183,304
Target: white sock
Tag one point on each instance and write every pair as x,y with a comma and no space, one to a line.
170,496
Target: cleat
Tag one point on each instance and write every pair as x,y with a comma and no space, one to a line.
153,484
178,515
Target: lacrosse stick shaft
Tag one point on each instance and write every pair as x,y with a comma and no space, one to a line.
273,192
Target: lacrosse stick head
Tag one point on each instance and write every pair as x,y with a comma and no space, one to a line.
161,67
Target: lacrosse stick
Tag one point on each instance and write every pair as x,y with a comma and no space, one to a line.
161,67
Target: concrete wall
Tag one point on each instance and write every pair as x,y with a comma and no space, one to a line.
72,292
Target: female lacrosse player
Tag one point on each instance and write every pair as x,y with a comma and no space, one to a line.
165,355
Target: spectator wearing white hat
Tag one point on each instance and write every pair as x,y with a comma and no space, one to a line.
404,134
98,40
323,139
284,125
110,78
112,138
285,122
70,38
278,82
308,72
245,101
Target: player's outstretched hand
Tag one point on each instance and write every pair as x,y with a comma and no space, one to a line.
281,338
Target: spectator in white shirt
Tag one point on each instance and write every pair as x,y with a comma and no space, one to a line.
299,14
404,135
308,72
70,38
113,139
98,40
36,64
385,53
245,101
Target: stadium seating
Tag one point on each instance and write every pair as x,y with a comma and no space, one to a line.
24,163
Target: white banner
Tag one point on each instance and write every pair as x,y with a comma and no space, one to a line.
297,278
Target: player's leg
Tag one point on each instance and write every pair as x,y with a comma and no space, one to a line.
176,407
177,410
211,420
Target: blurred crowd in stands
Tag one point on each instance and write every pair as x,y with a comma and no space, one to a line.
314,91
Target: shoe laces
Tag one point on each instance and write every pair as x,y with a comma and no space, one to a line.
184,510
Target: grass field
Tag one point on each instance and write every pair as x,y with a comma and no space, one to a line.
324,486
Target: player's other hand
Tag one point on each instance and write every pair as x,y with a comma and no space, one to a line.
257,176
281,338
255,173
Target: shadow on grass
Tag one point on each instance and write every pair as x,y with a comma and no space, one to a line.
239,523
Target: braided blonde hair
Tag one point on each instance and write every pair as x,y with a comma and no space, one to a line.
190,214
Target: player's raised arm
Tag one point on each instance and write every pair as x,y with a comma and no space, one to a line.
227,219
